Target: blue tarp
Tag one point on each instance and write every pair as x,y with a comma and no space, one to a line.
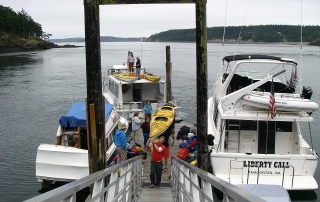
77,115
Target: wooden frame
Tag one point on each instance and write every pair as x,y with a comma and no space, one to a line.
106,2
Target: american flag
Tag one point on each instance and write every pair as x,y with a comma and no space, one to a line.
272,102
295,80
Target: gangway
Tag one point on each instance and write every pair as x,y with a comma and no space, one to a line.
124,182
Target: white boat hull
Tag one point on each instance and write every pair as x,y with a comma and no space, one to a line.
274,169
61,163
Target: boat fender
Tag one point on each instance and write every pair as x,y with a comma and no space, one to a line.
125,88
306,92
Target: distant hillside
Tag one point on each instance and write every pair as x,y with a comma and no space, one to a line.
259,33
102,39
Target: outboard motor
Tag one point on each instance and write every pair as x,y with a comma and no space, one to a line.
306,92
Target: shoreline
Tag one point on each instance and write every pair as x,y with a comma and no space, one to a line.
33,47
44,45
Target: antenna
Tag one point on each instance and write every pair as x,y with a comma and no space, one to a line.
242,26
224,32
225,21
141,50
300,51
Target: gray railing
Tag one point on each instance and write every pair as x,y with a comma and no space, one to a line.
189,183
124,183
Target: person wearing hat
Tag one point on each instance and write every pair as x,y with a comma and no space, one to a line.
120,140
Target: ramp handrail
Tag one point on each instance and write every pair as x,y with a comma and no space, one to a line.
190,183
124,183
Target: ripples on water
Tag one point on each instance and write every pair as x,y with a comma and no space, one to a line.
37,87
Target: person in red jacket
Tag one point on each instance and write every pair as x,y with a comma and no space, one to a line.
156,163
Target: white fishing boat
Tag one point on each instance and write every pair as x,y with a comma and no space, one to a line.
129,97
250,145
64,163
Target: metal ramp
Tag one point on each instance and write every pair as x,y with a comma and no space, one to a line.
124,183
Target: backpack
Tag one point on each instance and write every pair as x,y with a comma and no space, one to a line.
184,130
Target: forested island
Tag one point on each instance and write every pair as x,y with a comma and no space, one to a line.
245,34
19,32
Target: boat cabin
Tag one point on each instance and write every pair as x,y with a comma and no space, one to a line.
129,95
73,126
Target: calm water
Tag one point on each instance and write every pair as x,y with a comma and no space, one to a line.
37,87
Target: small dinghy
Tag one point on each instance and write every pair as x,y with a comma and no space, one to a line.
283,101
161,120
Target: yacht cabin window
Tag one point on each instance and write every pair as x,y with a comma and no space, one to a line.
284,126
111,86
161,86
116,90
248,125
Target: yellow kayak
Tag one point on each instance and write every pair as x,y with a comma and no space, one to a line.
125,77
161,120
151,77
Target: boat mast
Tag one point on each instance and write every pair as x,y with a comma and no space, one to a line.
241,27
300,50
224,33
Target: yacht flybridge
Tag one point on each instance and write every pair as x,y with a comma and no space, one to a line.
255,143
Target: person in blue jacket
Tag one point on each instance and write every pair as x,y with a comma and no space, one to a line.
147,109
120,140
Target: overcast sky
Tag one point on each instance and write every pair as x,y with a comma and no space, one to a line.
65,18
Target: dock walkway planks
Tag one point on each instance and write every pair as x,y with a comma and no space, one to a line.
164,193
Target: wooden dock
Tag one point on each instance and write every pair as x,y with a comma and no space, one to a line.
164,193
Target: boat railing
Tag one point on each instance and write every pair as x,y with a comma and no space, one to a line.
257,113
284,169
116,104
258,174
111,129
135,106
105,83
176,102
160,98
190,183
124,183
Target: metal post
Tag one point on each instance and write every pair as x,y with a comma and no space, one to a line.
168,73
95,103
202,97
